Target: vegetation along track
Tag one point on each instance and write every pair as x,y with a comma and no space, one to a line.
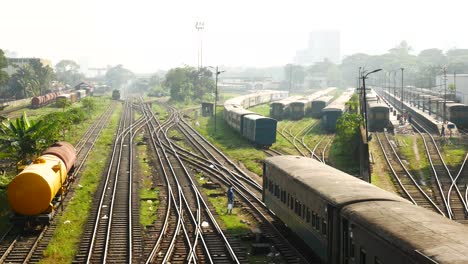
408,187
27,246
456,206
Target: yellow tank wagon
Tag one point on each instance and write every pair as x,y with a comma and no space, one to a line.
35,189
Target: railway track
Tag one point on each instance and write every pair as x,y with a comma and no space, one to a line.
251,197
456,205
408,186
20,246
184,239
112,233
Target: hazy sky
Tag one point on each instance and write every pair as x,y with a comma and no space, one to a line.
146,35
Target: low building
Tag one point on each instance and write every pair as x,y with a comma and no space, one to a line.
19,62
460,87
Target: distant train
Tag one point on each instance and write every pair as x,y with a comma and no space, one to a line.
332,112
71,97
296,107
346,220
36,191
256,128
116,94
378,112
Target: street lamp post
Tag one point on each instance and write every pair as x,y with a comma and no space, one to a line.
200,26
365,99
216,93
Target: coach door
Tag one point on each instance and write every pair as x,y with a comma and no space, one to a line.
345,241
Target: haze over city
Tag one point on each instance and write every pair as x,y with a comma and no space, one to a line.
146,36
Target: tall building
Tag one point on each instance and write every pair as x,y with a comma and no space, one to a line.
322,45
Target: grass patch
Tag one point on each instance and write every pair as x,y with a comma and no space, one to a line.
263,109
160,111
454,151
342,158
64,243
178,138
148,193
412,150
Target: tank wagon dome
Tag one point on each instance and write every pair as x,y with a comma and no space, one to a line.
65,151
318,177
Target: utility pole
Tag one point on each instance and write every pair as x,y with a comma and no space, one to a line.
200,26
290,78
365,99
216,93
455,86
402,69
445,92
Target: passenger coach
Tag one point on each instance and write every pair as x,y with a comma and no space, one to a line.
333,111
346,220
256,128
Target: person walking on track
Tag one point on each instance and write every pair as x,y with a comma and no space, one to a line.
230,196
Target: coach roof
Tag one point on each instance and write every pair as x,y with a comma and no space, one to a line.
331,184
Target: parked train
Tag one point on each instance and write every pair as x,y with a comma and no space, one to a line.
296,107
281,109
433,102
43,100
317,106
346,220
36,191
333,111
378,112
256,128
72,97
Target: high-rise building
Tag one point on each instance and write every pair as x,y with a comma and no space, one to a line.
322,45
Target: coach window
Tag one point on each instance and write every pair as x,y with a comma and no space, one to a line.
324,226
362,256
303,211
377,261
277,191
351,247
308,215
317,223
313,219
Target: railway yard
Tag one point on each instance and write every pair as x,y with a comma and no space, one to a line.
150,179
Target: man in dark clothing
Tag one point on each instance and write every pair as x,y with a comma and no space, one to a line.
230,196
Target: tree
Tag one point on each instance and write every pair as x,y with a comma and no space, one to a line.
89,104
118,76
188,83
3,64
63,103
44,75
24,83
68,72
347,130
